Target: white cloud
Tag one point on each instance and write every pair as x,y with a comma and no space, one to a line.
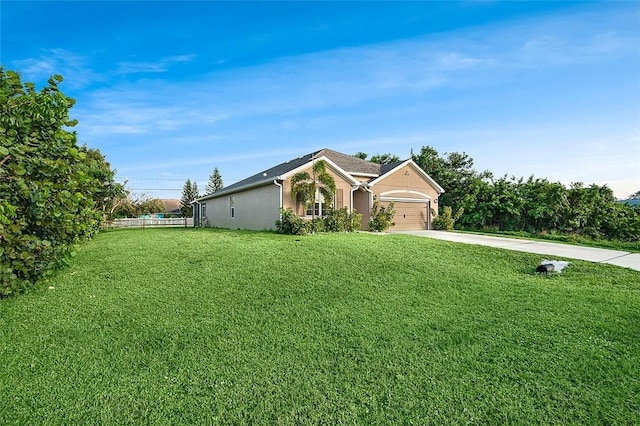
295,101
159,66
74,68
354,76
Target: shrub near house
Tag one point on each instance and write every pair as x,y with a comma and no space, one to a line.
381,217
339,220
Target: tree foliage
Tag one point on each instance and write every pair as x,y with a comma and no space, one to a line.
111,193
361,155
455,173
304,185
52,192
215,182
189,193
135,205
384,158
533,205
378,158
446,220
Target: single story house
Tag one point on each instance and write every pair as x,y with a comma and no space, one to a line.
255,202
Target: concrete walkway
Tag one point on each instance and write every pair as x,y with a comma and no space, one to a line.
613,257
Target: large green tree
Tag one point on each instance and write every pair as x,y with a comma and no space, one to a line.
110,194
189,193
361,155
215,182
455,173
52,191
384,158
378,158
532,205
305,186
138,204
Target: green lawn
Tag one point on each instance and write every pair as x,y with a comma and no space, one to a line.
191,326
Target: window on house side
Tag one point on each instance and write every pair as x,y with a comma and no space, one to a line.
232,203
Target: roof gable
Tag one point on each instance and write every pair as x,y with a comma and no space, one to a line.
332,165
389,169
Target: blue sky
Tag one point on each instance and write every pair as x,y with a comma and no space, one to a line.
168,90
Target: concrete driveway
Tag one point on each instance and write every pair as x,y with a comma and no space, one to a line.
613,257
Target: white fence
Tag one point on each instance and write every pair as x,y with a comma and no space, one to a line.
150,223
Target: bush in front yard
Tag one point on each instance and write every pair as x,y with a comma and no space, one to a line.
291,224
381,217
446,220
339,220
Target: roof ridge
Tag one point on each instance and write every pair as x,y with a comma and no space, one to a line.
348,163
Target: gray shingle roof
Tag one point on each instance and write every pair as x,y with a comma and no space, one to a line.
275,171
386,168
351,164
348,163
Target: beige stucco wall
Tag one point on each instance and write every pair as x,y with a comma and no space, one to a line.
403,186
256,208
361,203
341,183
406,179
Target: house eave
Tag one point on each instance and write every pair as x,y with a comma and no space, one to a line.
224,192
372,175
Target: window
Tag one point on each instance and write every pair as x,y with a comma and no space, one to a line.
204,211
320,208
314,210
232,204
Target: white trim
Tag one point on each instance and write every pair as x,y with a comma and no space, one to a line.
405,200
417,168
366,188
353,189
279,185
363,174
405,191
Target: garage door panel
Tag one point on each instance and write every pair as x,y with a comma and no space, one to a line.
410,216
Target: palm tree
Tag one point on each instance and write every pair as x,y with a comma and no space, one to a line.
305,186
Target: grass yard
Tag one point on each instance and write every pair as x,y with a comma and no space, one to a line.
192,326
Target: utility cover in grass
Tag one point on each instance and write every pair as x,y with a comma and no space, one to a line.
552,266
